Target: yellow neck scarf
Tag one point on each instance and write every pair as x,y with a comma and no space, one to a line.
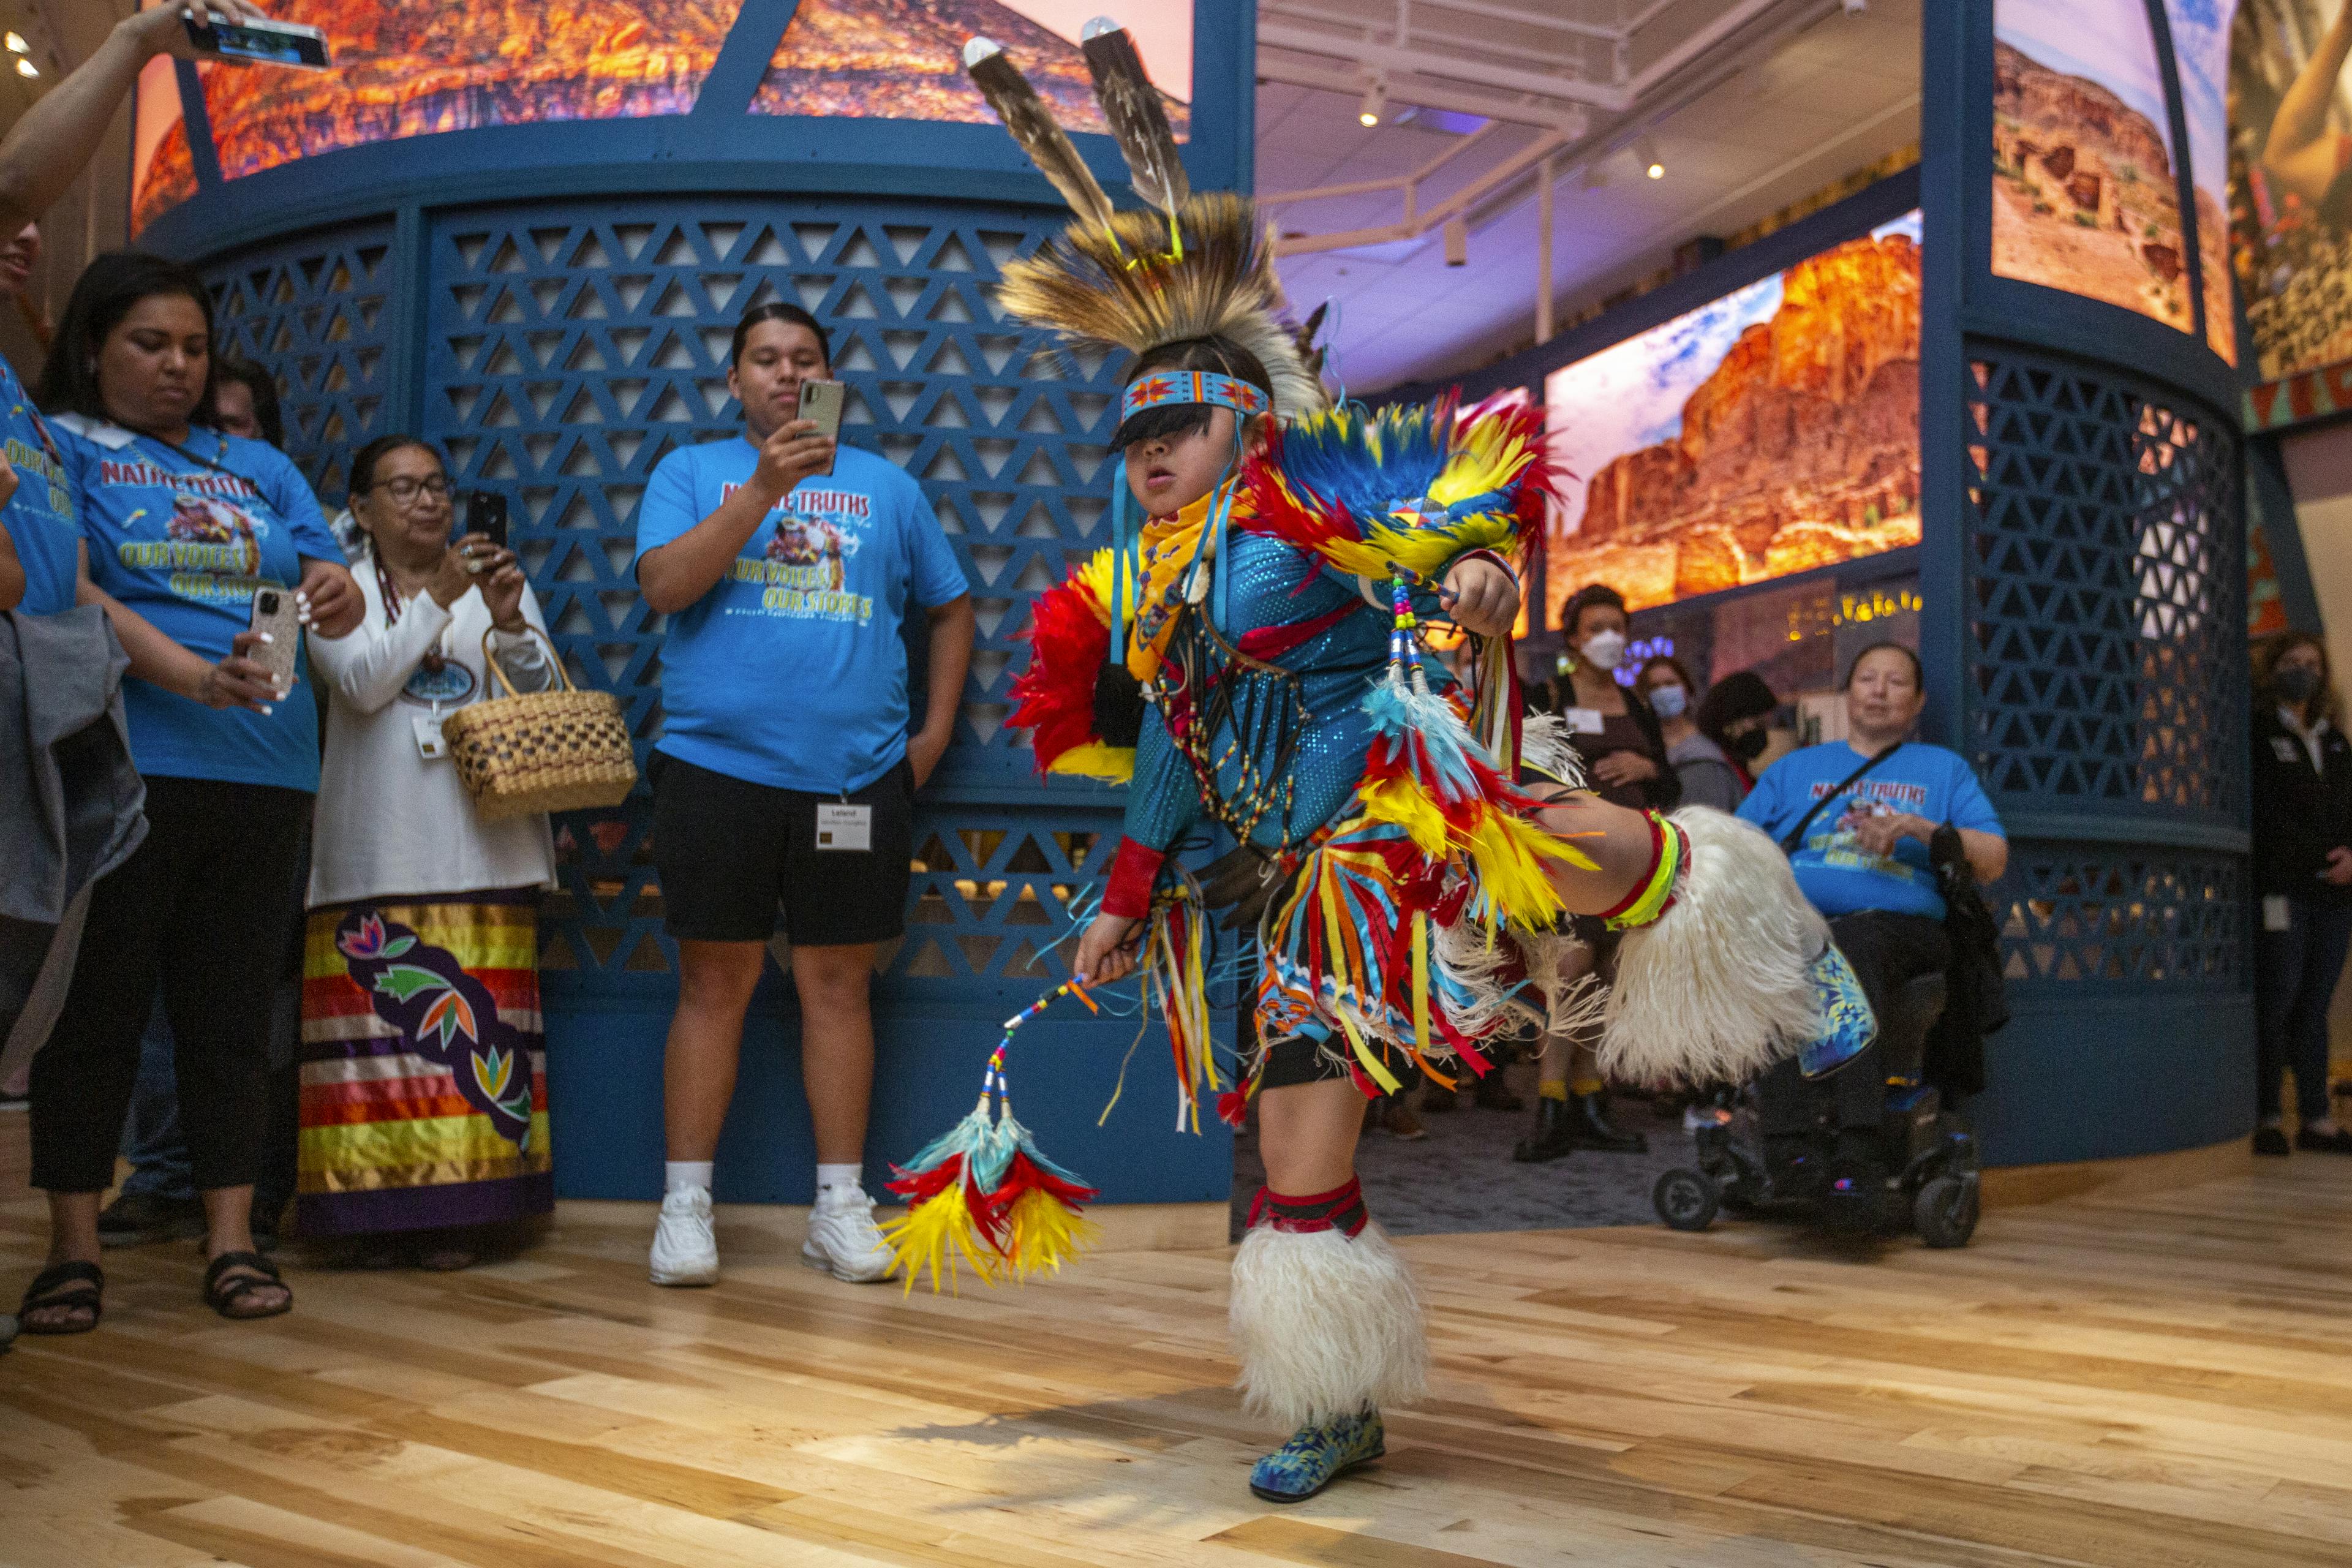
1168,545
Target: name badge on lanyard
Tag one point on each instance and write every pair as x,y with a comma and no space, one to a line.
841,825
1585,722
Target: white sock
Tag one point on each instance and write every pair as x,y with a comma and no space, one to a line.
841,1179
684,1175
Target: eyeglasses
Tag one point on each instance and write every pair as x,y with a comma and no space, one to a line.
405,490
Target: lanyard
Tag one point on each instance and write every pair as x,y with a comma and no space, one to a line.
433,661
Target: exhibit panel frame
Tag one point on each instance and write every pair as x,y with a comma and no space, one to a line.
2082,610
551,305
2084,582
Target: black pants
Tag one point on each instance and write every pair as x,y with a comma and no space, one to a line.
2295,971
204,908
1887,952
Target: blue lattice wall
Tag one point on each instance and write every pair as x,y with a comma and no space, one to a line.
317,313
563,350
2105,710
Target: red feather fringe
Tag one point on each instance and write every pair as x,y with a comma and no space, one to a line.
1054,698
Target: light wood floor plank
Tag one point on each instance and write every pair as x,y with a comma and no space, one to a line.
2139,1380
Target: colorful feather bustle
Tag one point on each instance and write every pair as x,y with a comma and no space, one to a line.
982,1196
1053,698
1412,486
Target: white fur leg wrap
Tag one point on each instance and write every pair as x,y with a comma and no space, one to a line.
1326,1326
1718,987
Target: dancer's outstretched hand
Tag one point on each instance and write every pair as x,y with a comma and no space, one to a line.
1483,599
1103,953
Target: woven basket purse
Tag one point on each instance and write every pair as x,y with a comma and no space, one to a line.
541,751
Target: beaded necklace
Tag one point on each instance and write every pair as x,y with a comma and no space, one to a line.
433,661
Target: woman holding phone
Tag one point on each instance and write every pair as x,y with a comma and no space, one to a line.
184,528
424,1126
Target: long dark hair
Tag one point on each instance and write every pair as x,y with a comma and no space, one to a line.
1174,419
2322,700
108,290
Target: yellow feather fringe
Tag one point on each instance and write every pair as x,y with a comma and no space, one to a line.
1508,853
1044,1233
1112,764
1096,577
931,1237
1401,801
1485,457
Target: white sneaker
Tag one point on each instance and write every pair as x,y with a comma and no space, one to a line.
844,1241
684,1251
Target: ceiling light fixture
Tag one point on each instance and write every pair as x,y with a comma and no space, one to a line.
16,44
1375,104
26,67
1645,153
1457,243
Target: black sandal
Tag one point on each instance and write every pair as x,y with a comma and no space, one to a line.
227,1297
87,1281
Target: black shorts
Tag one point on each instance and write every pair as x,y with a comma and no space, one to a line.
1295,1059
732,853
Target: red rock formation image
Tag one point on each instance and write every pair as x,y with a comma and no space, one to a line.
1800,448
2084,197
410,67
903,59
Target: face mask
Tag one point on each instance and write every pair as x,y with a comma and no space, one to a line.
1669,701
1603,649
2295,683
1749,746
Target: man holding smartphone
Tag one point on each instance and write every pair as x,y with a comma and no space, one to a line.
783,781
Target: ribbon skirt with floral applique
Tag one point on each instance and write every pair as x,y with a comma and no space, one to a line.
424,1105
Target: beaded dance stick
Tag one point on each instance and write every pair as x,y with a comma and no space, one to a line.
983,1194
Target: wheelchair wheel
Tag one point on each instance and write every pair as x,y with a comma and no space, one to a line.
1685,1200
1946,1212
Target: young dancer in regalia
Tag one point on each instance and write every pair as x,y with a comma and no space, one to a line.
1247,657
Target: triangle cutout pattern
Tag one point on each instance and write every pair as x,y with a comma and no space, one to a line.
557,352
2104,590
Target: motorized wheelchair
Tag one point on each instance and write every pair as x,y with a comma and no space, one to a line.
1775,1147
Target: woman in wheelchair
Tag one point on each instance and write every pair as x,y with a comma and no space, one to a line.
1857,817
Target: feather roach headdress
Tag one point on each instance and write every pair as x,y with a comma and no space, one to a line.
1197,267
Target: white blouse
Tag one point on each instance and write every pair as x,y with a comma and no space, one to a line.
389,820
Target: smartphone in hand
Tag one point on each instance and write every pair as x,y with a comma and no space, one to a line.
485,514
822,401
274,612
259,42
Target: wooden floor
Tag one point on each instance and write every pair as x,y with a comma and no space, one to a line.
2145,1382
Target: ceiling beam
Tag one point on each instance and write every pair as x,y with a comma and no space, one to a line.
1425,62
1536,154
1293,70
1408,184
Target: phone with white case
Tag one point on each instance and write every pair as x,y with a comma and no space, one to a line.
274,612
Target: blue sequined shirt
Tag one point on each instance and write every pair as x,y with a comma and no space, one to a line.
1276,583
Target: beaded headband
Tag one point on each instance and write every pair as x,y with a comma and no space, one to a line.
1161,387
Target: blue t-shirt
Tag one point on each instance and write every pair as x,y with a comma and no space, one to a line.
1833,871
790,672
40,516
185,545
